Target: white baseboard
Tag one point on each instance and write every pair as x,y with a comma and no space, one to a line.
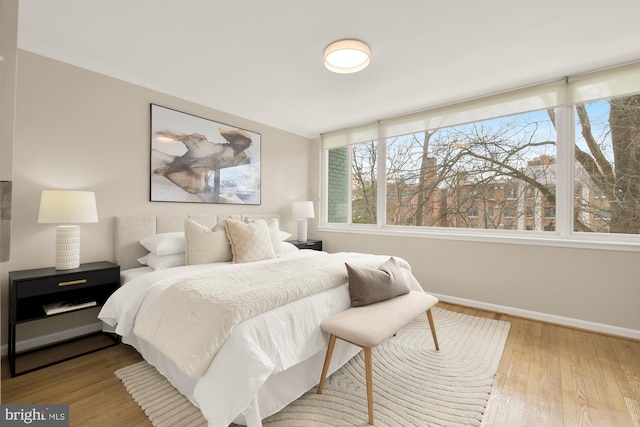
53,338
544,317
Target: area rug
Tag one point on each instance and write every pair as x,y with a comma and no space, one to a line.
413,384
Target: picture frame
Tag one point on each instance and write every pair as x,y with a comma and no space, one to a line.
198,160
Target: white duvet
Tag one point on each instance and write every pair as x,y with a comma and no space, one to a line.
266,362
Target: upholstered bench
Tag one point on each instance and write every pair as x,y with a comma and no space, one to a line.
370,325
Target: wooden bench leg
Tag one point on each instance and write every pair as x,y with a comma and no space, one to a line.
369,374
433,329
327,359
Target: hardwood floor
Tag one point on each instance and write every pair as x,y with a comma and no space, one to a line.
95,396
548,376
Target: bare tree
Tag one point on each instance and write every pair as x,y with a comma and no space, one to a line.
617,180
365,183
447,177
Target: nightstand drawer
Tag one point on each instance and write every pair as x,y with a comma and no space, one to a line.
315,245
66,282
30,290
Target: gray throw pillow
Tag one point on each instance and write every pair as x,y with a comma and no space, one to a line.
371,285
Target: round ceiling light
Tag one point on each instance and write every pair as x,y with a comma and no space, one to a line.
347,56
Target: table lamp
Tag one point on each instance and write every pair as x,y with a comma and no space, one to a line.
66,207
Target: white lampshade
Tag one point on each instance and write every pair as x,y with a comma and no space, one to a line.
347,56
303,210
65,207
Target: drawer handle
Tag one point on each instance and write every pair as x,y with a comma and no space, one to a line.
72,282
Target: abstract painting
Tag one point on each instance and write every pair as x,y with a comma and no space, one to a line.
198,160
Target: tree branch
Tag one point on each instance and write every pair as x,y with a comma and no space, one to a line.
599,157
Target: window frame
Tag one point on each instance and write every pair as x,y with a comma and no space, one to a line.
563,236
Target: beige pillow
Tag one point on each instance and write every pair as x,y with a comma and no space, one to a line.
371,285
204,245
249,241
274,233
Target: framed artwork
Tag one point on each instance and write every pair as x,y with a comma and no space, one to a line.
197,160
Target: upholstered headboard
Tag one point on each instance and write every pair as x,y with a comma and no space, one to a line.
130,229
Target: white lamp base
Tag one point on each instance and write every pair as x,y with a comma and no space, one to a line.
302,230
67,247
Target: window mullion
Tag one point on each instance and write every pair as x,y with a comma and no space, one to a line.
324,186
382,177
564,171
350,186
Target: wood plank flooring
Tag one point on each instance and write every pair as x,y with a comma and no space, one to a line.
549,376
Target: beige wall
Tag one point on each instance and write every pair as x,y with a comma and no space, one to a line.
584,284
8,43
8,50
76,129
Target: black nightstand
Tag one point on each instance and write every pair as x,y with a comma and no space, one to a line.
46,292
316,245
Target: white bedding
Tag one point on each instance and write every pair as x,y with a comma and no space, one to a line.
267,362
132,273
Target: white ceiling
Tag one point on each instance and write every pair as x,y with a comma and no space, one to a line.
262,60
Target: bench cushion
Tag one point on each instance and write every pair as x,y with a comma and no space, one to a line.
371,325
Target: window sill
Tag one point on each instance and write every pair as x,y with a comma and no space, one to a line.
578,241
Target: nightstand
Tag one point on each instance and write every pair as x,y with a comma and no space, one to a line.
316,245
46,292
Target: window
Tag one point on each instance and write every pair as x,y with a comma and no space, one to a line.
491,212
606,113
364,187
357,162
511,193
451,172
605,130
550,212
338,179
494,163
602,214
577,190
509,212
529,192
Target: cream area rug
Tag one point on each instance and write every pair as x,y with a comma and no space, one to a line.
413,384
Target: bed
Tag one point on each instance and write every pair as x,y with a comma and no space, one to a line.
265,361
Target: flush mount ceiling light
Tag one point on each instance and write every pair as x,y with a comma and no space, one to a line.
347,56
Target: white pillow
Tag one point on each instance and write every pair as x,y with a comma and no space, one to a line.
160,262
286,247
249,241
205,245
284,235
274,232
164,243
